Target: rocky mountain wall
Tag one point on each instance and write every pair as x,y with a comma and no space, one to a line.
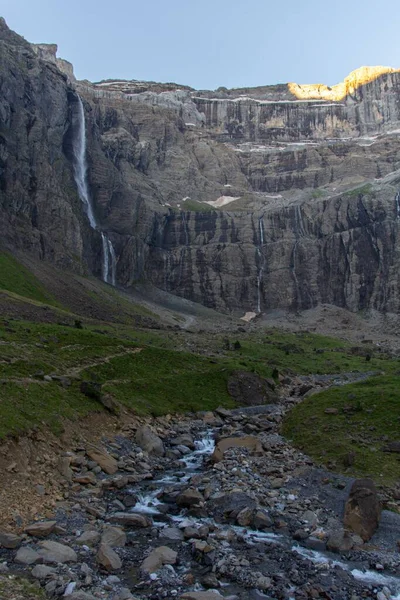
240,200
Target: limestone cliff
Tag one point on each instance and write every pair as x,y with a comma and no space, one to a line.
239,199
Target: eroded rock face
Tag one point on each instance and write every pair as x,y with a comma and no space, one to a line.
237,199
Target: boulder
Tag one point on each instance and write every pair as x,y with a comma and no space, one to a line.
339,541
131,519
28,556
189,497
250,442
245,517
149,441
42,571
363,509
226,507
172,533
248,389
186,439
9,540
108,558
41,528
88,538
210,595
54,552
107,463
159,557
115,537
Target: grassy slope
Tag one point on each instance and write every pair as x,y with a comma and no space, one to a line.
14,277
368,416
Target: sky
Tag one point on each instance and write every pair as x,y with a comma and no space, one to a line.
212,43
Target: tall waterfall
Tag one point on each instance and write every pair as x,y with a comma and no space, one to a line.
261,265
80,175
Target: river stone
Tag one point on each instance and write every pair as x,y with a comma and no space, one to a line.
115,537
172,533
227,506
88,538
189,497
186,439
88,478
28,556
41,529
54,552
9,540
245,517
107,463
108,558
249,389
261,520
339,541
210,595
149,441
363,509
130,519
250,442
42,571
159,557
79,595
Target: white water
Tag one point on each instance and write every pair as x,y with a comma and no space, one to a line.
372,577
80,175
261,266
397,201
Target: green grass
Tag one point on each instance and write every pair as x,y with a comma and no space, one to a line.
18,588
16,278
195,206
368,416
363,190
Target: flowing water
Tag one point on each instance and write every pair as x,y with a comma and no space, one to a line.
109,263
261,262
148,503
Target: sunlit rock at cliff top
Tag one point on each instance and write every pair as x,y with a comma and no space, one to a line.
351,83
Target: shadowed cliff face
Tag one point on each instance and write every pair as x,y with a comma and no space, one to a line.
307,188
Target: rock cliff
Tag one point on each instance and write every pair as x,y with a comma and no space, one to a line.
249,199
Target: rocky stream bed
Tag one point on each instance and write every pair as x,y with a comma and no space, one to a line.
200,507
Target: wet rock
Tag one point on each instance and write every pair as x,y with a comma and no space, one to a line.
149,441
28,556
339,541
9,540
131,519
157,558
186,439
250,442
107,463
54,552
363,509
41,529
245,517
115,537
261,520
108,558
189,497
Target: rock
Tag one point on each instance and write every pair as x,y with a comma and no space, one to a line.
159,557
363,509
107,463
149,441
9,540
88,538
339,541
79,595
88,478
210,595
131,519
172,533
331,411
41,528
64,467
189,497
249,389
392,447
183,440
108,558
115,537
245,517
250,442
42,571
28,556
310,518
261,520
54,552
226,507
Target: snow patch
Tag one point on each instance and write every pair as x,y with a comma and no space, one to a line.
222,201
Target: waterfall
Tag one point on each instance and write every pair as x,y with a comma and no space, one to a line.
80,175
397,203
261,261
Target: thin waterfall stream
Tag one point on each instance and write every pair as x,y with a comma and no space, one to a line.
80,168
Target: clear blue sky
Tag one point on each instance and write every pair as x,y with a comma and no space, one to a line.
211,43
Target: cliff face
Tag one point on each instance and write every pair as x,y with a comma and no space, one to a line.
238,199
